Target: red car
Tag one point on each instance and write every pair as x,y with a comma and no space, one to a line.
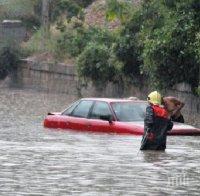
120,116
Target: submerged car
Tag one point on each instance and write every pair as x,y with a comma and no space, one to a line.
119,116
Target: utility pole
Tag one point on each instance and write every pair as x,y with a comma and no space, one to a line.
45,22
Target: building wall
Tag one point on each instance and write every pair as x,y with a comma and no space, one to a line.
61,78
11,31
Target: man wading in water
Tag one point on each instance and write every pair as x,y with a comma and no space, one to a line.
157,123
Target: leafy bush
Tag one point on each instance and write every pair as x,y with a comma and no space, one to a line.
31,22
118,9
9,60
77,35
92,47
83,3
34,45
74,38
67,8
97,63
198,90
127,47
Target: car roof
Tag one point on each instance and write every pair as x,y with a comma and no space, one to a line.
111,100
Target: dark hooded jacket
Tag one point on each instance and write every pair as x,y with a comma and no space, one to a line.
180,119
156,126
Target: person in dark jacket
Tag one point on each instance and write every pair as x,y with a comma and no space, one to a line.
157,123
174,106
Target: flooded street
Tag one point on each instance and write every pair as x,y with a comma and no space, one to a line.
39,161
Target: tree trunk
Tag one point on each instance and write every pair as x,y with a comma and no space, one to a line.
199,76
45,23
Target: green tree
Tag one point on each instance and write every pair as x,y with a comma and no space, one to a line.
68,8
118,9
98,64
169,54
128,49
9,60
77,35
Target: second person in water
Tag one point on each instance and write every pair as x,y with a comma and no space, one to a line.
174,106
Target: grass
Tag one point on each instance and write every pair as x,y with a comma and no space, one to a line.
50,53
35,44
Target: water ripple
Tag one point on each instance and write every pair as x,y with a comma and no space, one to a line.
38,161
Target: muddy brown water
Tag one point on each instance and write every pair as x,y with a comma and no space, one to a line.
39,161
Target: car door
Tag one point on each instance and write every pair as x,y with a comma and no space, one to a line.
96,123
76,119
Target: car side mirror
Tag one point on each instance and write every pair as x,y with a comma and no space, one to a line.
108,118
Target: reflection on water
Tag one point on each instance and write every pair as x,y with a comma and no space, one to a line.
38,161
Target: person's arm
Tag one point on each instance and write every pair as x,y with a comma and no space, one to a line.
173,105
149,119
179,105
170,126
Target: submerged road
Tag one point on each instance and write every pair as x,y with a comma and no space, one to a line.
38,161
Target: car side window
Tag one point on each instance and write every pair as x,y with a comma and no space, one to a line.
69,110
100,109
82,109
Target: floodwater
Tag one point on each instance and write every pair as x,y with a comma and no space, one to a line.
39,161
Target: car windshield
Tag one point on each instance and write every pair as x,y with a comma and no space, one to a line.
129,111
